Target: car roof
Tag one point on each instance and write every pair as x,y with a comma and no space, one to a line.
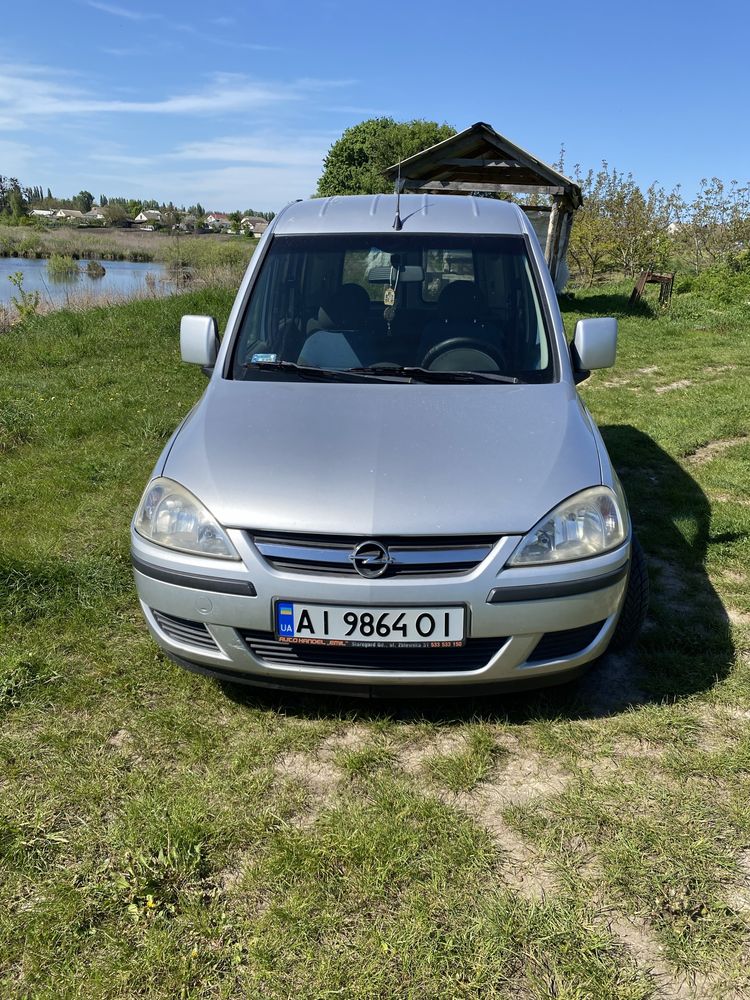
419,214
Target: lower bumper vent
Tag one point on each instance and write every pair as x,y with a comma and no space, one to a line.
182,630
474,655
568,642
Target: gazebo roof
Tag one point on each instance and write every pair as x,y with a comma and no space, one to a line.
480,159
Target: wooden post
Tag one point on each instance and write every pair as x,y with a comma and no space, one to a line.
551,231
567,225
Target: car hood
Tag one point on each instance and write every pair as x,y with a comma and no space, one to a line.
376,459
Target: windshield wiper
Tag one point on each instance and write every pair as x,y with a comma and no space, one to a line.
417,374
313,373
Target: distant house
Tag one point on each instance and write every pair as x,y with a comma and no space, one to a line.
218,220
254,224
95,214
69,213
43,213
150,215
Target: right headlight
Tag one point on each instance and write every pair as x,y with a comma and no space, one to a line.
587,524
170,515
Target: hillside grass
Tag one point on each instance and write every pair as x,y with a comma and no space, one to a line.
163,836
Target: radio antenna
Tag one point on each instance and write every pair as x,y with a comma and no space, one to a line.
397,223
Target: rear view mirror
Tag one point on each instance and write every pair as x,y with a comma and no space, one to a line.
594,344
384,275
199,340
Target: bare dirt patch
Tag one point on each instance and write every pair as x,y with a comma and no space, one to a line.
120,740
648,370
520,781
354,737
728,498
683,383
616,383
318,776
709,451
413,757
670,585
613,683
639,940
741,618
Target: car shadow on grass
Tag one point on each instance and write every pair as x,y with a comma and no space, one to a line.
685,648
607,303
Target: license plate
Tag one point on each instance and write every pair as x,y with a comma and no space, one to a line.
337,625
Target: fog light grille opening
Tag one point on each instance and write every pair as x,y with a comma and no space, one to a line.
182,630
568,642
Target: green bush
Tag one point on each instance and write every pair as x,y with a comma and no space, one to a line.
727,283
62,266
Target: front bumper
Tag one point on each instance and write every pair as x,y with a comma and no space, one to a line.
226,611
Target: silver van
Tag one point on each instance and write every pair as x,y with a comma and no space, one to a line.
390,484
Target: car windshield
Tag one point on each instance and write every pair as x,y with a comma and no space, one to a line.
403,307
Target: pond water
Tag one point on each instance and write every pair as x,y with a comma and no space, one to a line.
122,279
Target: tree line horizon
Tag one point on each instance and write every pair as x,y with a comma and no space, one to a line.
621,226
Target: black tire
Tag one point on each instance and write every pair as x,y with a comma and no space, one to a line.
635,608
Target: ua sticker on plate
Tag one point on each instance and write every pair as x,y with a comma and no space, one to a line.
285,619
256,358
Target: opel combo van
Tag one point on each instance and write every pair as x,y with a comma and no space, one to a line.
390,483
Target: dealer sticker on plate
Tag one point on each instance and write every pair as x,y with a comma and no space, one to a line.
336,625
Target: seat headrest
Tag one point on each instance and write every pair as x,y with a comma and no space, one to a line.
348,306
460,299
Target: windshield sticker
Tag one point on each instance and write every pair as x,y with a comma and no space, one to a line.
259,358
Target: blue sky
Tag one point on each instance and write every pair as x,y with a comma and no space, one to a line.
235,103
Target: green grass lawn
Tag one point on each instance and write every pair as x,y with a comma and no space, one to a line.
162,836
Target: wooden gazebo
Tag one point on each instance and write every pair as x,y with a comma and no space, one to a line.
480,160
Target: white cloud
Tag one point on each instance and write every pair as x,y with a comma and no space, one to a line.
123,159
126,12
298,151
223,189
136,15
29,93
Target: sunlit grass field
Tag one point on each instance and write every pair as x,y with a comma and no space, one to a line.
162,836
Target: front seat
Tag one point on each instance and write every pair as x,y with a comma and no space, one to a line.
462,312
340,337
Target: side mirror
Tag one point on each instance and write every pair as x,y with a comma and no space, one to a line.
594,345
199,340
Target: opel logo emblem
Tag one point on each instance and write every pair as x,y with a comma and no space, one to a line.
370,559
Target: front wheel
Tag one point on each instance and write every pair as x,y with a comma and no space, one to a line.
635,608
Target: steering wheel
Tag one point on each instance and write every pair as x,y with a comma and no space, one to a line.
468,343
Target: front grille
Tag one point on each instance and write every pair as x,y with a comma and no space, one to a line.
435,556
182,630
568,642
474,655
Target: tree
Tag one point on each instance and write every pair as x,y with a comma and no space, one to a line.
356,162
114,214
171,216
619,227
716,224
83,201
16,204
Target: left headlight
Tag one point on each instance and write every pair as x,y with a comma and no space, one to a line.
584,525
170,515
